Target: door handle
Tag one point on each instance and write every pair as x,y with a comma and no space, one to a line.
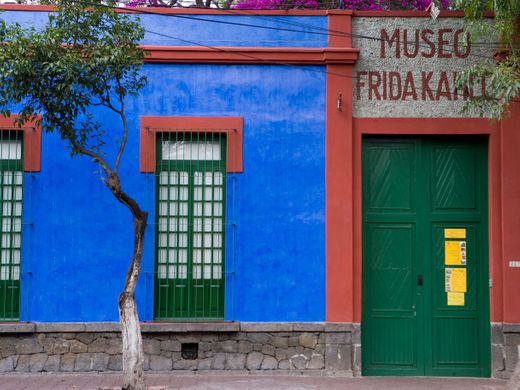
419,280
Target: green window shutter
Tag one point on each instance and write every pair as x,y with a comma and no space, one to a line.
190,217
11,193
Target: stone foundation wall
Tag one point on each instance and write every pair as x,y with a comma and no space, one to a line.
505,340
219,346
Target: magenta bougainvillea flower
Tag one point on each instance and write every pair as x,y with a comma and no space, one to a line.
363,5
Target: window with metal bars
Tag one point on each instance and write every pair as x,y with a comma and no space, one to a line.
190,231
11,191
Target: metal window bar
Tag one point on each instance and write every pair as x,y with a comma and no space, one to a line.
11,201
190,234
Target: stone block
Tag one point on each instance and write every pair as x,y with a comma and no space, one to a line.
356,359
356,334
37,362
245,347
17,328
113,346
308,326
338,357
293,341
264,327
76,346
340,326
260,338
337,338
67,362
100,361
170,345
497,358
83,362
308,340
226,346
28,346
497,334
8,364
299,361
98,345
86,338
269,363
60,346
160,363
219,361
22,364
52,364
511,357
7,346
102,327
317,362
213,327
235,361
280,342
204,364
183,364
512,339
284,365
268,350
254,360
151,346
59,327
281,354
115,363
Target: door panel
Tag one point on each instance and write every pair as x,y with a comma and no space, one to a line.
414,189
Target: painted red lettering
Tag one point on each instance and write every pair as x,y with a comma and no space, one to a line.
426,39
409,87
359,83
425,86
394,81
443,87
395,39
407,44
374,82
466,45
443,42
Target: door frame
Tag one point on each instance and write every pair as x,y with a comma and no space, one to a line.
422,361
430,127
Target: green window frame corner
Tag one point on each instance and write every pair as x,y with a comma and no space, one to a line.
11,217
190,226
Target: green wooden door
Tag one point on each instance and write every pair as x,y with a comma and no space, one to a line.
424,243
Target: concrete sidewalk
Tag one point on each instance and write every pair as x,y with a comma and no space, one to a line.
231,381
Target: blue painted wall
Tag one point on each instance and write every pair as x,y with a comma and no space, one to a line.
77,238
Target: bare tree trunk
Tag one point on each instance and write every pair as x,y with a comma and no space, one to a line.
514,381
133,358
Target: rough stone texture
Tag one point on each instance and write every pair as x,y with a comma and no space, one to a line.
272,346
505,341
254,360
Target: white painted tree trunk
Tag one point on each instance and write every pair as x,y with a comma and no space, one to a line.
133,358
514,381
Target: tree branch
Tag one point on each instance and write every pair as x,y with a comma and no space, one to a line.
125,130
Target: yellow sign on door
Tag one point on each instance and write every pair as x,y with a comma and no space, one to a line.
454,233
455,299
455,253
455,279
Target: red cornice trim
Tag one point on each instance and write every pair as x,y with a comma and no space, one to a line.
32,141
412,14
250,55
151,125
